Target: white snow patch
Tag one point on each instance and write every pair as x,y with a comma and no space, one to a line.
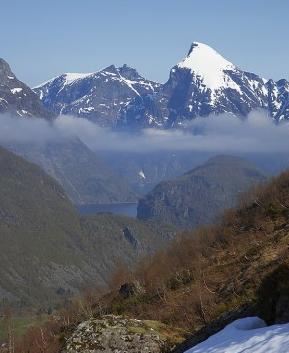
141,174
16,90
250,335
70,77
86,110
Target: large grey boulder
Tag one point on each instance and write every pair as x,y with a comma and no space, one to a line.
113,334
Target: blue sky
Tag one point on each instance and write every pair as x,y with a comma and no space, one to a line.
41,39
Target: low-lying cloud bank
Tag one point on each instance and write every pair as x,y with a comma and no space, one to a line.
223,133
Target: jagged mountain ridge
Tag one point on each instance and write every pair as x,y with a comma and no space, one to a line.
203,83
17,98
96,96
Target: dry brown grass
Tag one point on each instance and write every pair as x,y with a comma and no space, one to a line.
199,276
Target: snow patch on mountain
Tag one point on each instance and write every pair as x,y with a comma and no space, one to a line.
71,77
16,90
141,174
250,335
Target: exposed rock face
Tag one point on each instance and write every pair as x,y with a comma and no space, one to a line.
128,290
199,196
113,334
273,296
18,99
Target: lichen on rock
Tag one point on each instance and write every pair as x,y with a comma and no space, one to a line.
114,334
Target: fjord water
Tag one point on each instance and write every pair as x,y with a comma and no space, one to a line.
125,209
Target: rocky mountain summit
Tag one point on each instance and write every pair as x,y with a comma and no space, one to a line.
17,98
96,96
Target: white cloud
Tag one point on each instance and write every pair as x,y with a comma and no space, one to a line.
220,134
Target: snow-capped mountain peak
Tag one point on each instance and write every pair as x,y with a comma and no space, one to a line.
209,66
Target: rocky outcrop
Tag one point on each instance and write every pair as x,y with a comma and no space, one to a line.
273,296
112,334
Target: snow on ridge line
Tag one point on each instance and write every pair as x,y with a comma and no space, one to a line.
70,77
250,335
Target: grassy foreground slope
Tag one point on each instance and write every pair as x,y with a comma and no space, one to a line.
242,260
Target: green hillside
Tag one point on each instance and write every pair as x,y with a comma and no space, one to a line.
47,251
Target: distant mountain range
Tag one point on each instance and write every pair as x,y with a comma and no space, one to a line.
203,83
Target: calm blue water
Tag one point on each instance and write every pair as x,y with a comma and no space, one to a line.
126,209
